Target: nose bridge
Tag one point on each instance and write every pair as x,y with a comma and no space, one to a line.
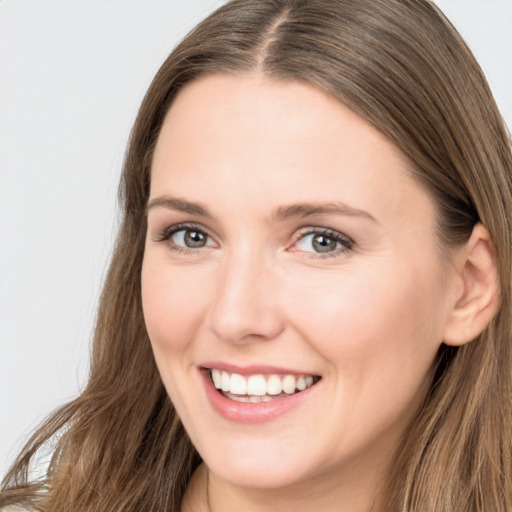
244,308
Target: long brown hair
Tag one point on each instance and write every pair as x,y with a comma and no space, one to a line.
401,66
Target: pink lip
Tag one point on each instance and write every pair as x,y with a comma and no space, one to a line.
252,369
250,413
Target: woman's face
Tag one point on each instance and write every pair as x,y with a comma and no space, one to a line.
288,246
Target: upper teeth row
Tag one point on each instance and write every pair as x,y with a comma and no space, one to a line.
259,385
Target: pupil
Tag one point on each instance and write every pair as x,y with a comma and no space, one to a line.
322,243
195,239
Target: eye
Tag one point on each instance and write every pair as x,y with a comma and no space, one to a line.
183,237
191,238
323,242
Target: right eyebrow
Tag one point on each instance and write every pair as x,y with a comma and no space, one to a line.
180,205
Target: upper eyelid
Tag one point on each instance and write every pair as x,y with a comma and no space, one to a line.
175,228
320,230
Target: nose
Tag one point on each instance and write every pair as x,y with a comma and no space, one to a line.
245,308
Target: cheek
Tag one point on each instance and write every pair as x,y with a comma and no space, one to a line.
379,334
172,305
386,313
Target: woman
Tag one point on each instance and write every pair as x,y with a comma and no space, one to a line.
309,304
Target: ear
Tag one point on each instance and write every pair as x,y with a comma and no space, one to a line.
478,298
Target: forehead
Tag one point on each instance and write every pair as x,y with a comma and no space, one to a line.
253,137
253,110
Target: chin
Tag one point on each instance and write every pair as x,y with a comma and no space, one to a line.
257,475
258,465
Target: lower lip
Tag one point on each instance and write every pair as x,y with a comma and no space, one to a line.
247,412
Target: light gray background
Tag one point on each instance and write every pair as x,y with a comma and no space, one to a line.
72,74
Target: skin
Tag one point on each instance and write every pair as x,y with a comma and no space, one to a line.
368,318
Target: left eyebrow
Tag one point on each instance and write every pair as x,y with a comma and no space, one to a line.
312,209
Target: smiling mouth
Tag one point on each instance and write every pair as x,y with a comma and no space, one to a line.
258,387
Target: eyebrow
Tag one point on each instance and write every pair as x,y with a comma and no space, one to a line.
311,209
180,205
299,210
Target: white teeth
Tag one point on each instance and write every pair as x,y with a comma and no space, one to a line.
258,388
257,385
289,384
216,378
238,398
274,385
238,385
225,381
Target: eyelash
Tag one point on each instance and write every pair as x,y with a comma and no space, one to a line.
169,232
346,242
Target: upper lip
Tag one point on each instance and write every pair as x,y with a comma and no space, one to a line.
253,369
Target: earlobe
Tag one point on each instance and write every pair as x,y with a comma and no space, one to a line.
478,299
